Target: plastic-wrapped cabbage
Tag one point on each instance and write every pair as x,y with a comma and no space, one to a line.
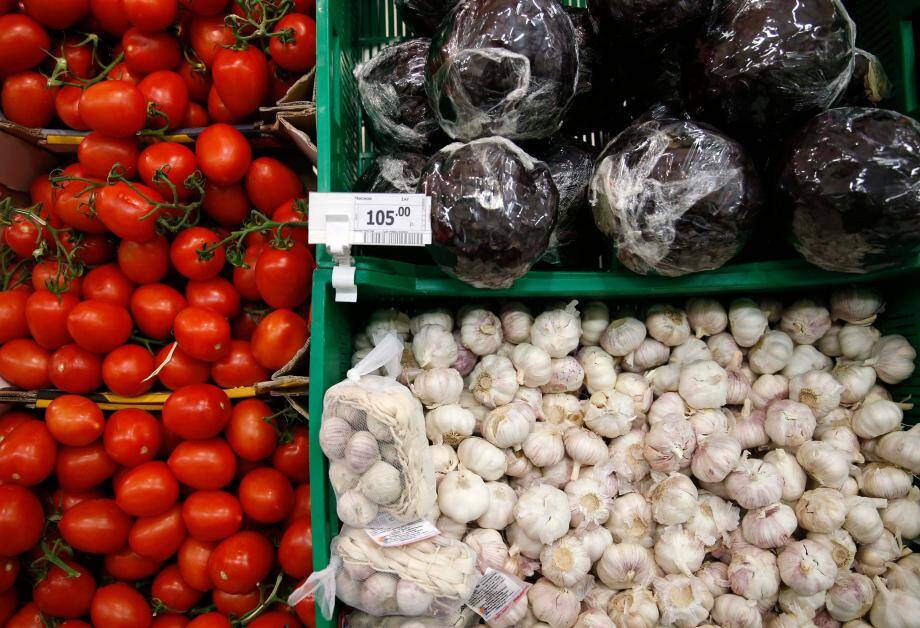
648,22
675,197
493,209
503,67
425,15
852,182
392,89
393,174
761,65
869,85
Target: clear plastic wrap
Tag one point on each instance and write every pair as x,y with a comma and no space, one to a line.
869,85
429,578
852,182
503,67
648,23
465,618
674,196
493,210
425,15
392,89
393,173
761,65
373,433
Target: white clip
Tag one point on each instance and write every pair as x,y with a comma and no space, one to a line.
338,241
343,280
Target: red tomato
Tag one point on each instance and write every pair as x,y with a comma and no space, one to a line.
132,437
75,206
120,606
27,454
241,562
215,294
176,162
24,364
295,266
96,526
151,15
280,81
128,213
75,370
166,92
13,322
47,316
49,275
144,262
97,249
275,619
75,623
185,250
208,36
239,367
296,550
252,432
147,490
100,100
244,277
192,560
61,595
80,469
236,604
13,419
269,183
306,611
218,111
294,210
233,68
202,334
110,14
79,57
181,370
212,515
27,99
210,620
149,51
170,620
122,72
223,154
9,571
299,54
154,307
28,617
158,537
67,107
98,153
127,565
57,14
204,7
108,283
197,81
228,206
22,520
266,495
278,338
293,458
23,42
99,326
62,500
23,236
205,465
197,116
8,603
74,420
172,590
126,368
301,508
197,411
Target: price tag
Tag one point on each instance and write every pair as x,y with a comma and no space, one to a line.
386,531
495,594
370,219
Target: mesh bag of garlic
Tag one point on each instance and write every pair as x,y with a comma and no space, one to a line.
373,433
736,463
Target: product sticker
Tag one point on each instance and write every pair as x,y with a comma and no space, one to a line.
370,219
386,531
495,594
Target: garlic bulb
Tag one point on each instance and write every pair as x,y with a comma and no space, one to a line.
482,458
444,459
434,347
626,566
824,463
749,428
388,319
715,576
709,422
683,600
631,520
789,423
723,348
341,477
902,516
806,606
747,322
893,359
523,544
543,513
790,471
554,605
707,317
884,480
584,447
500,514
894,608
519,465
856,341
877,418
334,434
770,526
382,484
713,520
838,417
565,562
857,380
544,445
481,331
623,336
361,452
715,457
595,540
627,457
516,322
633,609
829,344
901,576
466,359
872,558
669,446
609,414
806,567
463,496
489,546
673,499
599,369
378,594
768,388
438,387
664,379
534,367
840,544
355,509
589,502
594,618
508,425
843,439
533,397
754,483
734,611
805,321
772,353
901,448
668,406
595,317
678,551
850,597
703,385
636,387
557,331
857,305
494,381
667,325
449,424
739,385
817,390
649,354
438,317
562,408
821,510
806,358
567,376
450,528
753,574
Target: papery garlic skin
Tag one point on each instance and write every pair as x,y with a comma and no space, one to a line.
508,425
893,358
609,414
683,600
723,348
388,319
858,305
627,457
668,406
678,551
463,496
902,516
534,366
710,422
355,510
753,574
770,526
842,438
334,434
747,322
562,409
703,384
543,513
850,597
884,480
482,458
734,611
494,381
877,418
893,608
631,520
523,544
434,347
444,459
806,567
713,520
584,447
554,605
595,540
599,369
840,544
567,376
707,317
668,325
516,321
669,446
673,499
565,562
857,380
749,428
438,317
805,321
481,332
824,463
768,388
715,458
544,446
500,514
637,387
557,331
691,351
817,390
806,358
789,423
649,354
626,566
772,353
792,473
623,336
595,318
856,341
901,448
633,609
361,452
821,510
714,575
466,359
449,424
872,558
754,484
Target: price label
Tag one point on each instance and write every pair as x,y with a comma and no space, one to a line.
388,532
370,219
495,594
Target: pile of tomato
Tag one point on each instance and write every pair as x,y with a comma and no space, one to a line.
147,265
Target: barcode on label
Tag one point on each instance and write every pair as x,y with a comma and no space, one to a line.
393,238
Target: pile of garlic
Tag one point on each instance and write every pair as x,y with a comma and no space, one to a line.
702,466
